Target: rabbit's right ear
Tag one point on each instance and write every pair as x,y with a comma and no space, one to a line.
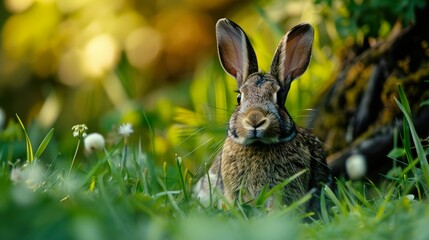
235,51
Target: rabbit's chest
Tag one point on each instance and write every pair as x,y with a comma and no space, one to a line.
256,167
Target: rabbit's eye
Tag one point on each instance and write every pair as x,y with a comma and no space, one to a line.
239,98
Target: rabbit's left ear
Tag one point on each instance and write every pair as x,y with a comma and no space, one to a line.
292,55
235,51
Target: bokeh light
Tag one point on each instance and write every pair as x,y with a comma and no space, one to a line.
143,46
100,55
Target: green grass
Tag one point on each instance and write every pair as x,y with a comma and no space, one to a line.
103,198
62,193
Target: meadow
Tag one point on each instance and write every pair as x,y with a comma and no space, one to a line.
114,152
118,190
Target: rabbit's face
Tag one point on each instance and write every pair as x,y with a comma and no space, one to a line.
259,117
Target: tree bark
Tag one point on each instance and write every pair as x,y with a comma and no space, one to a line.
357,113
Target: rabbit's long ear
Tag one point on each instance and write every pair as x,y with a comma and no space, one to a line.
292,56
235,51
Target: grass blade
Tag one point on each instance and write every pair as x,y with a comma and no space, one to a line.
425,103
44,144
181,178
421,155
404,101
284,183
27,141
333,197
324,208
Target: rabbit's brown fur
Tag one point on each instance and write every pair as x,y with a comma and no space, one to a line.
264,147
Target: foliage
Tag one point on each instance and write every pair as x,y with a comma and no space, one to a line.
30,156
367,18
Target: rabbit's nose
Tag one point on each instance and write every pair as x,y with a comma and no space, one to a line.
255,121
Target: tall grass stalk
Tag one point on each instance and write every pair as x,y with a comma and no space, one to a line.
74,156
27,141
406,111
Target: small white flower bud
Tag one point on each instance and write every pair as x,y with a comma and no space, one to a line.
93,142
356,166
79,130
125,129
15,175
410,197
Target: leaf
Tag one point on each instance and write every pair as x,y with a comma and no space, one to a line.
396,153
44,144
265,193
405,108
333,197
285,182
27,141
181,178
324,208
404,100
425,103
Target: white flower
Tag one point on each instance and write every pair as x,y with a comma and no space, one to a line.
32,175
410,197
125,129
94,142
15,174
356,166
79,130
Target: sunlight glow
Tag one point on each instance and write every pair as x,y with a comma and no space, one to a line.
100,55
18,5
143,46
50,110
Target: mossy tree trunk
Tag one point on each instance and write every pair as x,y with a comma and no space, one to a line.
357,113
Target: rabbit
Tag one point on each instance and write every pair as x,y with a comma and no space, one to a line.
263,146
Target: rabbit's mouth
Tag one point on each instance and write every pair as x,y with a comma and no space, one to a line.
253,136
259,139
264,133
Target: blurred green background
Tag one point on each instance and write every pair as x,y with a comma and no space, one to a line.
154,64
